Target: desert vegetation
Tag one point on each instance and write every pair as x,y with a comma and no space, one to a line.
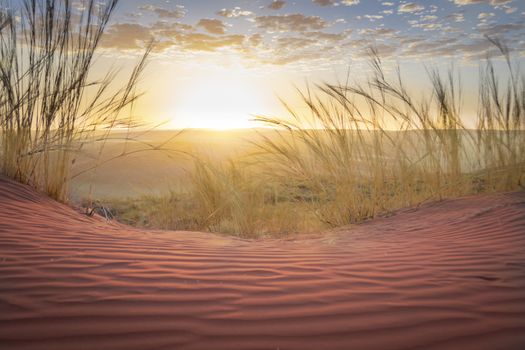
50,103
358,168
362,150
217,196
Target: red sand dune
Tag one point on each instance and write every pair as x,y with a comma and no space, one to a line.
449,275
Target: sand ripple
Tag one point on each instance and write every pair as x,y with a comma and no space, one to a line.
447,276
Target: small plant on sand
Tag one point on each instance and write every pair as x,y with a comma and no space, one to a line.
50,104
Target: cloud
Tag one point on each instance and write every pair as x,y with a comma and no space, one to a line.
312,40
328,37
126,36
324,2
214,26
170,29
277,5
501,29
472,2
362,49
187,38
457,17
410,7
294,43
475,49
350,2
425,26
469,2
307,43
304,48
373,18
378,32
179,12
233,13
256,40
131,36
292,58
485,15
294,22
205,42
133,14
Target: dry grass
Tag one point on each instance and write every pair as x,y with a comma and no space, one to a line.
219,196
340,163
50,106
358,169
335,165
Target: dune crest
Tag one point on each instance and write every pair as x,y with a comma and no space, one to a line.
450,275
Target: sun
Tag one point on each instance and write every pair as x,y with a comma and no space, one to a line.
219,99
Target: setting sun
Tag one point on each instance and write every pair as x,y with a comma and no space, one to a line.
219,98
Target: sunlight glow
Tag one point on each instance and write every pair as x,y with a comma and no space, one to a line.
220,99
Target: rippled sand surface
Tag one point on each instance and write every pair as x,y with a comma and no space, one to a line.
449,275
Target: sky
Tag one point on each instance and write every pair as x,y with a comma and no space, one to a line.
217,63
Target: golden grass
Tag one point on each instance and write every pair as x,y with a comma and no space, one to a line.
335,165
218,196
342,165
358,169
50,106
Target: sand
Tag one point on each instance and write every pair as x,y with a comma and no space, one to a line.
449,275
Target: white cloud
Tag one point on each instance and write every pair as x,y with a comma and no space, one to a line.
178,12
294,22
373,18
234,13
410,7
350,2
472,2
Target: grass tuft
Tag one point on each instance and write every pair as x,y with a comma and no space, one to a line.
344,152
50,105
